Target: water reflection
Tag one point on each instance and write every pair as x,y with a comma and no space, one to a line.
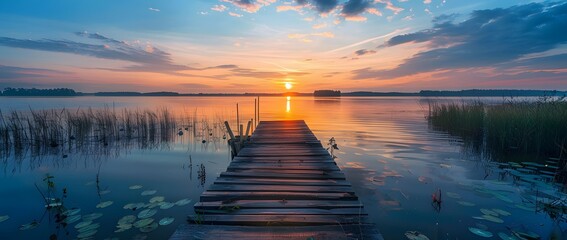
288,104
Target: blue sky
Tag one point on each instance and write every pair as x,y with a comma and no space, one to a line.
258,45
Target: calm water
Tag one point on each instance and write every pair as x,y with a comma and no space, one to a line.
390,155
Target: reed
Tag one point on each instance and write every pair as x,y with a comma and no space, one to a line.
535,129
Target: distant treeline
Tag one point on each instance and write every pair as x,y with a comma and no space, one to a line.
317,93
38,92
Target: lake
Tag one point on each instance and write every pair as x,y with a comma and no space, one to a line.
387,149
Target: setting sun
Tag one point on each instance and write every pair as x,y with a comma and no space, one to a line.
288,85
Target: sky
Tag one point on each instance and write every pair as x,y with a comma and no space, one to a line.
214,46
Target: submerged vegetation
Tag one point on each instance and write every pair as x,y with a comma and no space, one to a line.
522,131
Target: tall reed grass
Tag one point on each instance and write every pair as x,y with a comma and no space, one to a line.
536,129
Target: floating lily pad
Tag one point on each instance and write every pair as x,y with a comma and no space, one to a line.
147,213
183,202
453,195
157,199
492,219
127,219
83,224
480,232
104,204
415,235
72,211
488,212
166,221
90,183
29,226
4,218
501,212
524,207
503,198
143,222
149,228
505,236
134,187
166,205
153,205
87,234
72,219
148,192
92,216
134,206
119,230
89,228
526,235
125,226
466,204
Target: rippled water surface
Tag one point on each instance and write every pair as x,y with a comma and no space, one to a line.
391,156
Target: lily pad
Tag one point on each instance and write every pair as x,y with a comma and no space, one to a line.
104,204
466,204
89,227
166,205
505,236
87,234
92,216
488,212
4,218
492,219
83,224
453,195
415,235
524,207
183,202
143,222
147,213
29,226
133,206
72,219
149,228
125,226
148,192
153,205
134,187
119,230
166,221
72,211
157,199
501,212
480,232
127,219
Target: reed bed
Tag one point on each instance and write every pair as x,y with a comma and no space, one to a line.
535,129
67,129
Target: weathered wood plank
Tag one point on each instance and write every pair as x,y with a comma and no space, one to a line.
331,175
285,188
278,220
334,232
209,196
258,204
293,182
286,211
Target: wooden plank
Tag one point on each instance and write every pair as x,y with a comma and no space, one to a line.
292,182
286,166
334,232
258,204
209,196
278,220
288,171
285,188
286,211
332,175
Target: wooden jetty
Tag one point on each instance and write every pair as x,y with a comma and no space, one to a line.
282,185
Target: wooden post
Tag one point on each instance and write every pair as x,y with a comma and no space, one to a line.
237,118
248,129
230,133
255,112
258,110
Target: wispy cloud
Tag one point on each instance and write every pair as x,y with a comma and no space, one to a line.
219,8
235,14
154,9
488,38
398,31
16,73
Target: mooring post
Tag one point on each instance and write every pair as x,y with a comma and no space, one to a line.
230,133
237,117
247,130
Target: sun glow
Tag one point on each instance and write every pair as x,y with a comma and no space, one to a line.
288,85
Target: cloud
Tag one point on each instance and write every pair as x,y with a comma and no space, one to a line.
250,6
355,7
322,6
305,37
15,73
426,1
362,52
284,8
147,57
234,14
494,37
219,8
154,9
320,25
